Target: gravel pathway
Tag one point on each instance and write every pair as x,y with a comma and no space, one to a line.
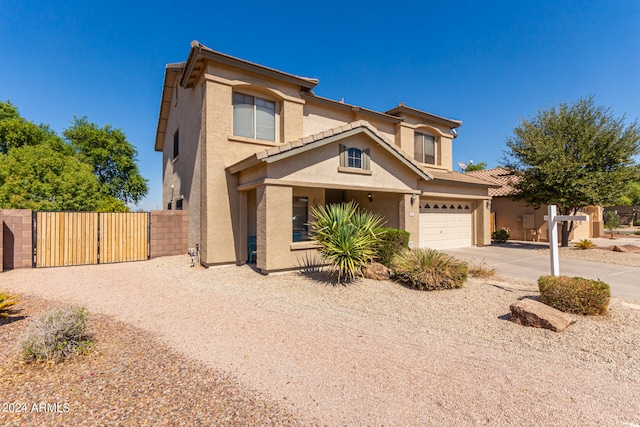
372,352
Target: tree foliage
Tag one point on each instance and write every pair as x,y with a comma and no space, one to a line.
480,166
112,157
40,171
631,195
573,156
41,178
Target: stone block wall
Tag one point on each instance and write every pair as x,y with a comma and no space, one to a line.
17,240
168,233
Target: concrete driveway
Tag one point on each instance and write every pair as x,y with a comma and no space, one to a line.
530,261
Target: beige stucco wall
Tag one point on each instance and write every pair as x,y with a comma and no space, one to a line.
320,117
184,172
510,214
320,166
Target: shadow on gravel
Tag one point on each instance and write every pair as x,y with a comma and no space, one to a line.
522,245
11,319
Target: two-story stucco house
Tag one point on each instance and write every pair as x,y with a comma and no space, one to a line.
249,150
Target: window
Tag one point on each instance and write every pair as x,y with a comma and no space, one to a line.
354,158
176,143
179,204
425,148
254,117
169,206
300,218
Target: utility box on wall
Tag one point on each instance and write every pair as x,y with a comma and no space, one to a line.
528,221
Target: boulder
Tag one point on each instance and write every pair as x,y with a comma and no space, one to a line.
528,312
377,271
629,249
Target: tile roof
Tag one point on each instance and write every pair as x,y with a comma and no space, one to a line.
358,124
500,176
461,177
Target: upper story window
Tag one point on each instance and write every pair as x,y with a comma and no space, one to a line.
254,117
351,157
425,148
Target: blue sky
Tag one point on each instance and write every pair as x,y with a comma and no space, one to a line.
485,63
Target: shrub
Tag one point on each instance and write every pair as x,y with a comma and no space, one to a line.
392,242
57,334
482,271
637,232
428,269
347,237
6,301
501,236
574,294
585,244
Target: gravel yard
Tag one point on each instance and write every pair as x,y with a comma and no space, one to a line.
288,348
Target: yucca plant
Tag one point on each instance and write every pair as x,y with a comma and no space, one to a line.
585,244
347,237
6,301
428,269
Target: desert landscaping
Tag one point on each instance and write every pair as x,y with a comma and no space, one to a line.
182,345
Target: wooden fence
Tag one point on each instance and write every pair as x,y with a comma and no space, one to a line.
77,238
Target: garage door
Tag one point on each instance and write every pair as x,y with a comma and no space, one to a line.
445,225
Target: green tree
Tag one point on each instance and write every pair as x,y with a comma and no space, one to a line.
40,178
16,132
112,157
631,195
480,166
573,156
611,221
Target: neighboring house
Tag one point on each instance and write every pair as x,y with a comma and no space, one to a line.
523,221
249,150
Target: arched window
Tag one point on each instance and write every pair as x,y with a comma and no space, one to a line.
354,158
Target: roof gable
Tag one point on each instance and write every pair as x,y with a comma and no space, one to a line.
302,145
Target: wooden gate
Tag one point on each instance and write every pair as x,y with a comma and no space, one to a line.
77,238
124,237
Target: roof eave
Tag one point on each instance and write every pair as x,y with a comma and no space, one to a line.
170,76
349,107
200,51
401,108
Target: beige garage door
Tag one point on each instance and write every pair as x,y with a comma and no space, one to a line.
445,225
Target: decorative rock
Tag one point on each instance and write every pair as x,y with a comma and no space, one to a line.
377,271
528,312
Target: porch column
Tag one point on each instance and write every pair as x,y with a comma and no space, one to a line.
274,228
409,217
482,226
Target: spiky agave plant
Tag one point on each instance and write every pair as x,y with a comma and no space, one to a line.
347,237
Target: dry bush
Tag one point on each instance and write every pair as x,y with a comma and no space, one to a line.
428,269
482,271
57,334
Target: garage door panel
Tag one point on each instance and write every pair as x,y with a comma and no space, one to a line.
445,228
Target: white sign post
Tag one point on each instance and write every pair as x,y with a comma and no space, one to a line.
553,220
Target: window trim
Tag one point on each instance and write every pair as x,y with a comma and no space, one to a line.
345,159
254,116
435,148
